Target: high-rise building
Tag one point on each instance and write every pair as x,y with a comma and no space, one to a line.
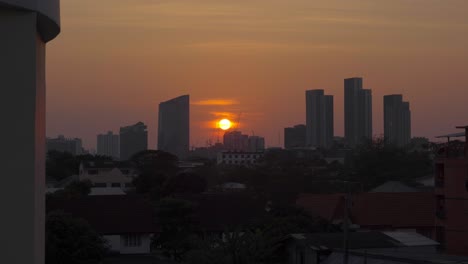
358,112
256,144
133,139
62,144
397,120
108,145
174,126
319,119
295,137
235,141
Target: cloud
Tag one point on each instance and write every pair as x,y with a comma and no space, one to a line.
220,102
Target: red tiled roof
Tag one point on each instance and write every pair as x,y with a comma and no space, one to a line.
217,212
375,209
323,205
110,214
394,209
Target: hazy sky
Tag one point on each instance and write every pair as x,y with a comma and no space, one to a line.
115,60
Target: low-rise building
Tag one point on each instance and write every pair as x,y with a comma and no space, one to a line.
238,158
107,174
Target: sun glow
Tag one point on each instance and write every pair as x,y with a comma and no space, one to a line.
224,124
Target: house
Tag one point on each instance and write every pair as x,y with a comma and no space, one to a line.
412,211
126,222
107,174
316,248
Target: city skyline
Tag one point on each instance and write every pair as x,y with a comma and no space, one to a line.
258,58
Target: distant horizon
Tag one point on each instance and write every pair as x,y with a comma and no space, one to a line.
253,59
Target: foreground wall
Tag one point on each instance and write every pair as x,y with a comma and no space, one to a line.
25,27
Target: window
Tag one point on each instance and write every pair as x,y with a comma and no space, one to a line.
115,184
100,184
132,240
128,185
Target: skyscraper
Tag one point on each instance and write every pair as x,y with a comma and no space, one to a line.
295,137
397,120
133,139
319,119
358,112
108,145
174,126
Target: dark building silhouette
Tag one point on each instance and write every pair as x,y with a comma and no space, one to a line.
295,137
256,144
174,126
319,119
358,112
108,145
63,144
397,120
235,141
133,139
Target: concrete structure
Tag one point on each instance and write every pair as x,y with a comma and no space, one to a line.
295,137
133,139
256,144
174,126
235,141
319,119
358,112
451,197
108,145
25,28
62,144
397,120
239,158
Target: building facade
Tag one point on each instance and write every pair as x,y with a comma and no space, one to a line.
108,145
63,144
451,197
133,139
107,174
295,137
174,126
235,141
358,112
397,120
239,158
256,144
319,119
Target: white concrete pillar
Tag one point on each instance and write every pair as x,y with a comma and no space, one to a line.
25,27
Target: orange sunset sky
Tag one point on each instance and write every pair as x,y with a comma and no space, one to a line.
115,60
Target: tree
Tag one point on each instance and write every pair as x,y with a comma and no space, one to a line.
236,247
154,167
376,162
177,227
75,189
72,241
184,183
60,165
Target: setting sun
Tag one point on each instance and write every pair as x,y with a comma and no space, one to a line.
224,124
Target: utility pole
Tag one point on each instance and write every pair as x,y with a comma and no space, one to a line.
347,205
